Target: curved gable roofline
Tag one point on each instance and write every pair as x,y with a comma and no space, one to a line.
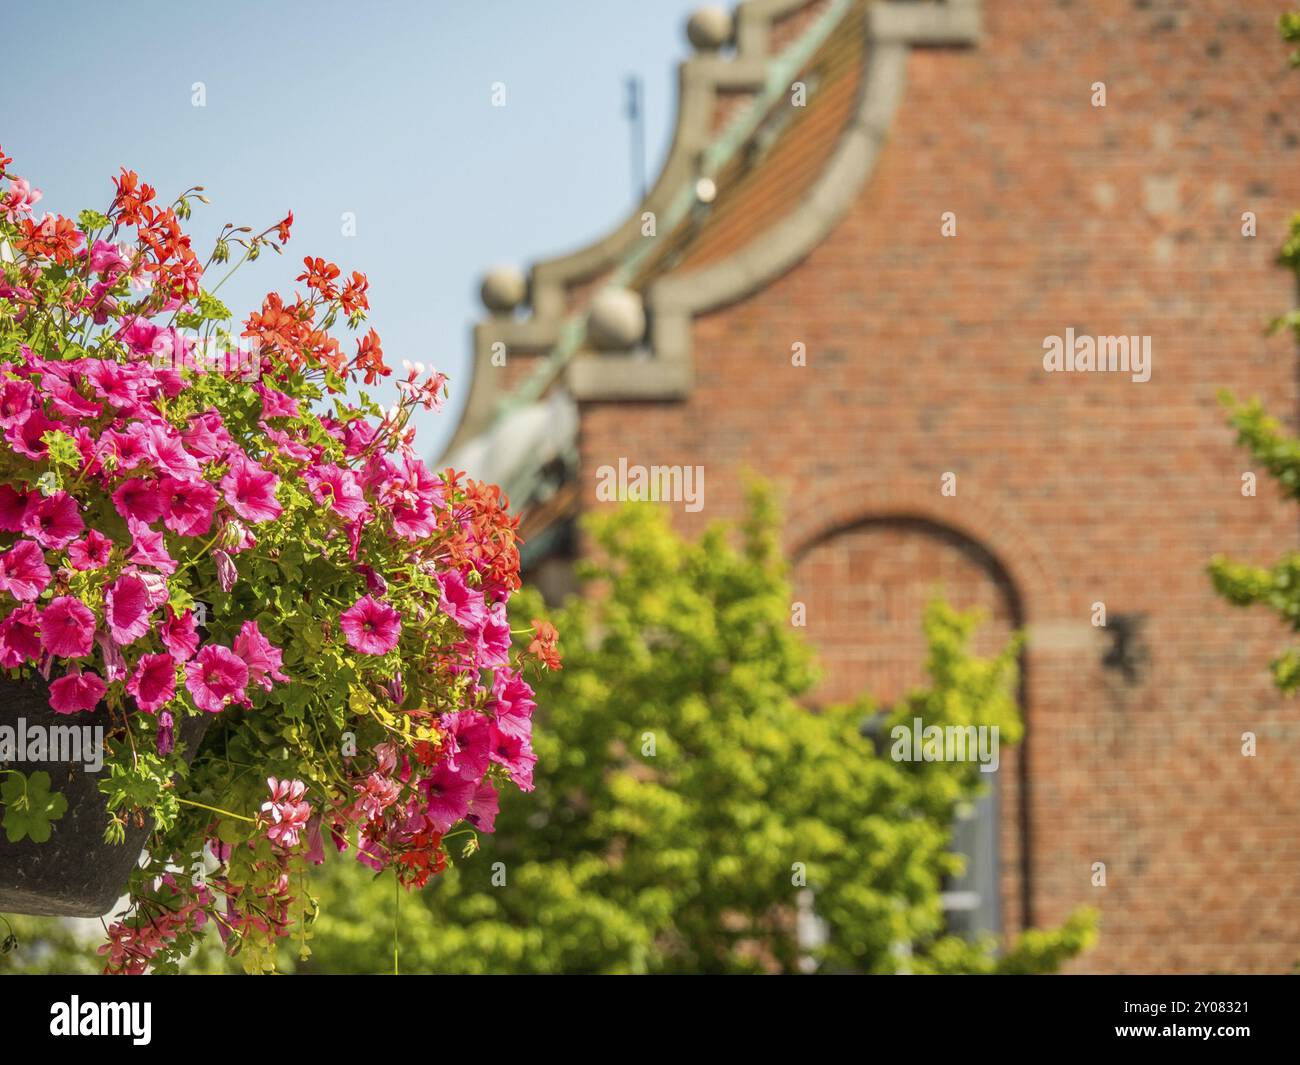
702,79
889,28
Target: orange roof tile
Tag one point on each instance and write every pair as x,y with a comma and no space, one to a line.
775,170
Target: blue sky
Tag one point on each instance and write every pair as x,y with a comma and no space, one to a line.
381,108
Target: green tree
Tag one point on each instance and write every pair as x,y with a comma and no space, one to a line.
1277,586
684,795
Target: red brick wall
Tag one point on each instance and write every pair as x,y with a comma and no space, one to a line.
924,356
865,579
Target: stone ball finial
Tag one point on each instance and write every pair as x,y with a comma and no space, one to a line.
504,288
709,28
616,320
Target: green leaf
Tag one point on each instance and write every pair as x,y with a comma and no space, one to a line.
30,806
212,308
90,221
63,449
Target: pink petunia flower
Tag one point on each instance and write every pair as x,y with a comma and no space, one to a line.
206,438
353,529
139,499
468,742
173,351
483,807
180,635
286,446
155,585
287,811
114,663
111,380
372,852
371,626
90,553
411,494
516,754
169,454
494,638
339,488
20,637
168,380
513,704
53,522
76,692
188,506
17,401
25,436
153,684
68,402
101,304
261,656
127,605
23,572
147,548
141,336
67,627
276,404
108,258
250,490
127,448
357,435
13,507
413,521
216,677
447,797
463,604
426,486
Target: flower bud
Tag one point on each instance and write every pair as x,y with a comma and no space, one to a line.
166,735
226,572
375,582
232,535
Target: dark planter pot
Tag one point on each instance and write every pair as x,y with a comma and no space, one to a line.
74,873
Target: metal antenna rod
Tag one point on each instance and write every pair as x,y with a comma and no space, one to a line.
636,119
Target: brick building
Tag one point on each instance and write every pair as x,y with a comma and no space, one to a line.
872,216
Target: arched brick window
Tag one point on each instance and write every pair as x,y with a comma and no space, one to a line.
865,586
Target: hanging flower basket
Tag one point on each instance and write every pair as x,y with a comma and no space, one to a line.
166,469
82,874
